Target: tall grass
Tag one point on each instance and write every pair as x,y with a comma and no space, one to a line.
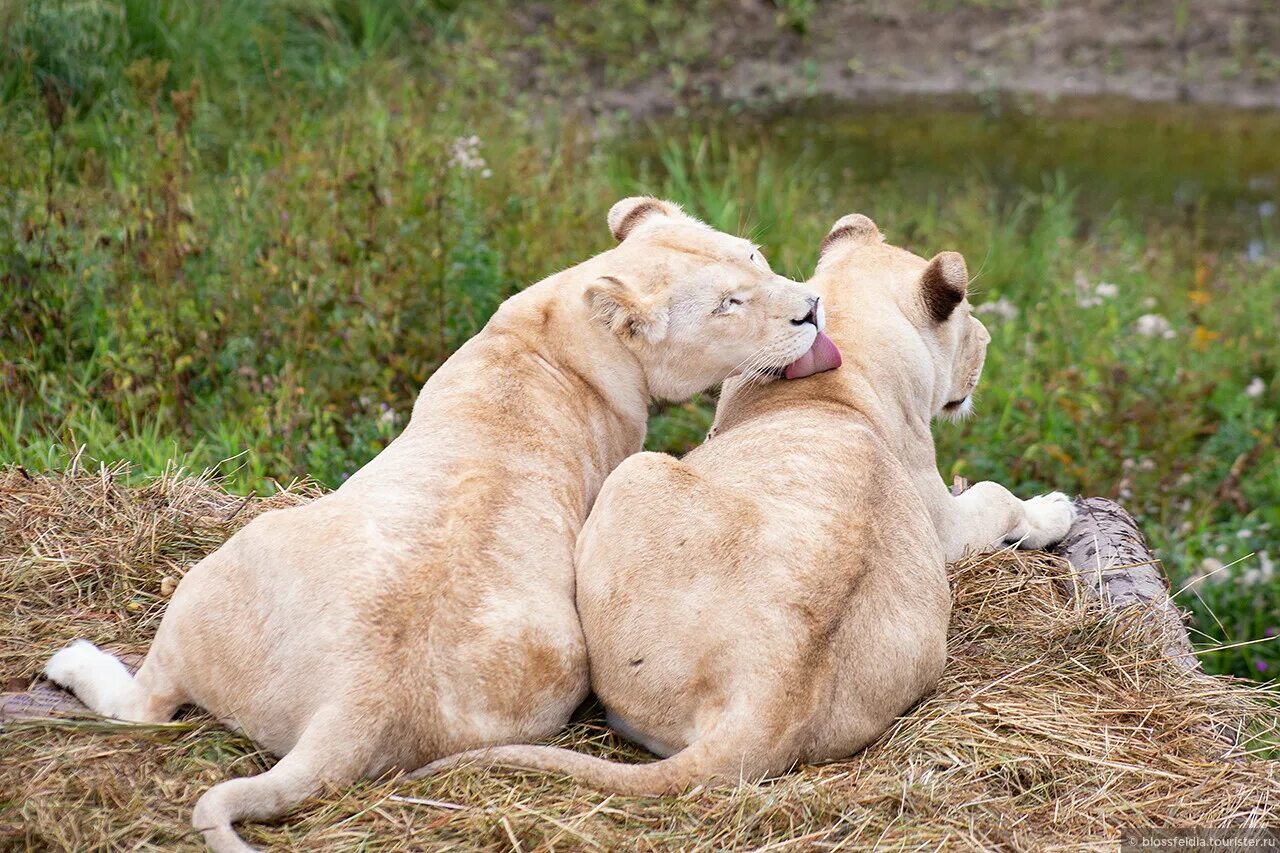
242,235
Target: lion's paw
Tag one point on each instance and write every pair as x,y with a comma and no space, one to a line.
1049,517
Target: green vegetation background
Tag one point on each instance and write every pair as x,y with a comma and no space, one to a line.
242,234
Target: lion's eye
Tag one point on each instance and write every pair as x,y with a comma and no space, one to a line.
727,303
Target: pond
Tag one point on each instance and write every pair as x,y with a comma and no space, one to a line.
1174,163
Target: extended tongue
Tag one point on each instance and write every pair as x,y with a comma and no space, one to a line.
823,355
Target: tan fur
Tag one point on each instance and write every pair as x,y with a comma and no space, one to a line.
426,606
779,595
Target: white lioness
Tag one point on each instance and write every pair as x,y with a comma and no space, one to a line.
779,595
426,606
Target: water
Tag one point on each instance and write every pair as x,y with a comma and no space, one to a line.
1214,167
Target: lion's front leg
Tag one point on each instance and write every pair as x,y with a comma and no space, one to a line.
988,515
1048,518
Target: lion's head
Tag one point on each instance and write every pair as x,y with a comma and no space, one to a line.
911,314
696,305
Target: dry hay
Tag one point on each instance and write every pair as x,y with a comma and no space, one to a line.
1054,727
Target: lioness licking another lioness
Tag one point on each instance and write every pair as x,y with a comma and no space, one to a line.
779,595
426,606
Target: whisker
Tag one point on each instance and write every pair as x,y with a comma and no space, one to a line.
751,358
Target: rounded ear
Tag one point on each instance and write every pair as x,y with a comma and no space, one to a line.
630,212
624,311
943,284
854,228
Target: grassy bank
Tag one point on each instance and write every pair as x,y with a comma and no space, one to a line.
243,236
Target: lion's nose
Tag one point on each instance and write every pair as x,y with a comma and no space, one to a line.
812,316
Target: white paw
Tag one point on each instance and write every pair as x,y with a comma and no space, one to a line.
1049,517
72,662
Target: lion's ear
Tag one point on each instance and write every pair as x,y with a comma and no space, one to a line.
854,229
943,284
625,311
630,212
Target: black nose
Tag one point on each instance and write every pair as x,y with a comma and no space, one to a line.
812,316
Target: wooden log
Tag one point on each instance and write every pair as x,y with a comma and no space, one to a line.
1114,564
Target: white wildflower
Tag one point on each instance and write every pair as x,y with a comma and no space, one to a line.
1153,326
1255,388
1089,295
466,154
1147,464
1244,533
1149,302
1212,570
1252,577
1002,309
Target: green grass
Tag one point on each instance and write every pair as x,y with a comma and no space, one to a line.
237,235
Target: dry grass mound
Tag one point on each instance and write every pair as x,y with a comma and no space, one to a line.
1055,726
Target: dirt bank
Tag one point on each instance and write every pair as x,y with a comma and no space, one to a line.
1209,51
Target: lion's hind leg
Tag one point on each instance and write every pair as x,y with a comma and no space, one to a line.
101,681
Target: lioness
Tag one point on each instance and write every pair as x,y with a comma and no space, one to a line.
779,595
426,606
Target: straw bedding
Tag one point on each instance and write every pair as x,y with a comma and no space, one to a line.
1055,726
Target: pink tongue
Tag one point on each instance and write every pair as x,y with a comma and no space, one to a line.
823,355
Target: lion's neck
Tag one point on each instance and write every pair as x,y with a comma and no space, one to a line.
882,384
890,378
580,354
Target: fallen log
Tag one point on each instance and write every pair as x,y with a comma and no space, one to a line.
1114,565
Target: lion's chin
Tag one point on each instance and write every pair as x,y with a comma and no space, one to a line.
958,410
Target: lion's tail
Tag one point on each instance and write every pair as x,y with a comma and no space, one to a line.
718,754
330,751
